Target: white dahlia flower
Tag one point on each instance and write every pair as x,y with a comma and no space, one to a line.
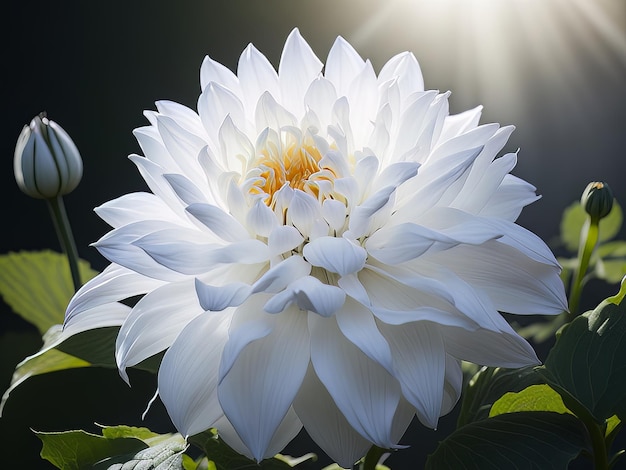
320,248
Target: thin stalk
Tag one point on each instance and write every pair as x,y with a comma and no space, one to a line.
371,458
589,233
64,232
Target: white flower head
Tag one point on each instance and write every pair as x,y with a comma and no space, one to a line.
321,247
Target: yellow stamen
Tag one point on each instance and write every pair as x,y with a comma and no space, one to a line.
297,166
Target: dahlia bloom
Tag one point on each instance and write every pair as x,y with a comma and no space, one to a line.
319,249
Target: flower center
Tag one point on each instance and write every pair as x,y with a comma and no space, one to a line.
297,165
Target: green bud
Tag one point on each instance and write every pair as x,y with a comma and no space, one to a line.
597,199
46,162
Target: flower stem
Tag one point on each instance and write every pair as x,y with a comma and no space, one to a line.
64,232
590,234
371,459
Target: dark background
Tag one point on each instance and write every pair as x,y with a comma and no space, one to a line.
553,68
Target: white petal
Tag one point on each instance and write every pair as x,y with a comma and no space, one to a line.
405,67
334,213
217,298
456,124
261,219
412,124
326,425
219,222
433,180
362,217
212,71
298,67
337,255
489,348
183,146
453,384
287,430
188,374
256,75
363,96
113,284
309,294
214,104
343,65
510,198
514,282
154,323
100,316
153,176
303,211
280,275
134,207
258,390
419,362
320,98
185,257
364,391
396,174
358,325
117,246
282,239
184,188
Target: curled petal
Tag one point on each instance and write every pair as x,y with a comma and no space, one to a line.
309,294
337,255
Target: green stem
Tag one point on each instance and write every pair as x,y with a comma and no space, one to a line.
371,459
596,433
595,430
64,232
590,234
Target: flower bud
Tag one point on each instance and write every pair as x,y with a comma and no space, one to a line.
597,200
46,163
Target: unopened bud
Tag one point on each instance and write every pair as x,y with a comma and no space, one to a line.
47,163
597,199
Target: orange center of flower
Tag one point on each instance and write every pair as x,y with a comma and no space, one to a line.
297,165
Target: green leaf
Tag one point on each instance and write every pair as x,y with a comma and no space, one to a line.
614,249
534,398
487,386
50,361
530,440
165,455
96,346
587,360
75,450
574,217
38,285
114,432
611,270
225,458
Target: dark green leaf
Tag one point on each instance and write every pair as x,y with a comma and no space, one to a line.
38,285
225,458
588,360
488,385
75,450
95,346
532,440
50,361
